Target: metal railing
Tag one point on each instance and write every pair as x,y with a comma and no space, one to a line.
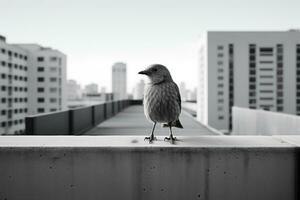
74,121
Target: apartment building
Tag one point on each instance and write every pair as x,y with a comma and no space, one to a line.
258,70
46,79
32,80
13,88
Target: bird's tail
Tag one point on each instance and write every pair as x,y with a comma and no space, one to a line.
176,124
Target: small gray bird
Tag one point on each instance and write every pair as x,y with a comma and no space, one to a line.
162,102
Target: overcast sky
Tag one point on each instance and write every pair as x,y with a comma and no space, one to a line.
96,33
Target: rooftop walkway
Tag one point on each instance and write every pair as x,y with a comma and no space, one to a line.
132,121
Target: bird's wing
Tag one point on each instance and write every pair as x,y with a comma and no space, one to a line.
178,95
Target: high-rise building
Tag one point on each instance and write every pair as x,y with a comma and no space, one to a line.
138,91
47,79
33,80
119,81
13,88
74,90
258,70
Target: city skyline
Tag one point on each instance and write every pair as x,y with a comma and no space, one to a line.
96,34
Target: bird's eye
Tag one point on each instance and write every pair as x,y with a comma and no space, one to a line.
154,69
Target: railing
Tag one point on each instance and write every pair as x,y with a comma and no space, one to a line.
75,121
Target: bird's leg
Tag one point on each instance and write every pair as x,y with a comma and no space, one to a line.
151,137
171,137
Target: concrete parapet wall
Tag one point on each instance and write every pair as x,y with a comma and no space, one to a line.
116,167
260,122
75,121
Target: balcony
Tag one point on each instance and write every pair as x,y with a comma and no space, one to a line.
98,164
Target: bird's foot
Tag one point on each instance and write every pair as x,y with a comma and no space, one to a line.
151,138
171,139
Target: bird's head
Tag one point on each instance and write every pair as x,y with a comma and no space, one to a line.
157,73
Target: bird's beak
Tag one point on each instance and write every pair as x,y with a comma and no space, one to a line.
145,72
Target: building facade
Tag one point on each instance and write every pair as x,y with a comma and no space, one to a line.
91,89
257,70
33,80
138,91
119,81
13,88
74,90
47,79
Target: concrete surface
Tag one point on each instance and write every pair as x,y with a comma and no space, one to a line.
127,167
260,122
132,121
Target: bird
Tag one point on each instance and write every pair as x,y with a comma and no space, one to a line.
162,101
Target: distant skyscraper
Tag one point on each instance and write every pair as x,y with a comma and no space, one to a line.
91,89
119,81
259,70
74,90
183,91
138,92
33,80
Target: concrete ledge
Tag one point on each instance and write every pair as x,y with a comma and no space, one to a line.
126,167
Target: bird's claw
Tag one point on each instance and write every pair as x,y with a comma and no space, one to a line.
150,138
172,139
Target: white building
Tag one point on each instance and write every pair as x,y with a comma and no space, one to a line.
138,91
13,88
183,91
191,95
258,70
119,81
46,79
33,80
91,88
74,90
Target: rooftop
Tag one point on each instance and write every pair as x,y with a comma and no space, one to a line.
132,121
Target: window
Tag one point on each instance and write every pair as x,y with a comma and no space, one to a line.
40,79
3,112
3,51
53,89
40,59
53,79
53,109
3,76
3,100
53,69
3,63
3,88
41,100
280,108
40,69
53,59
40,89
220,117
3,124
41,110
53,100
220,55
